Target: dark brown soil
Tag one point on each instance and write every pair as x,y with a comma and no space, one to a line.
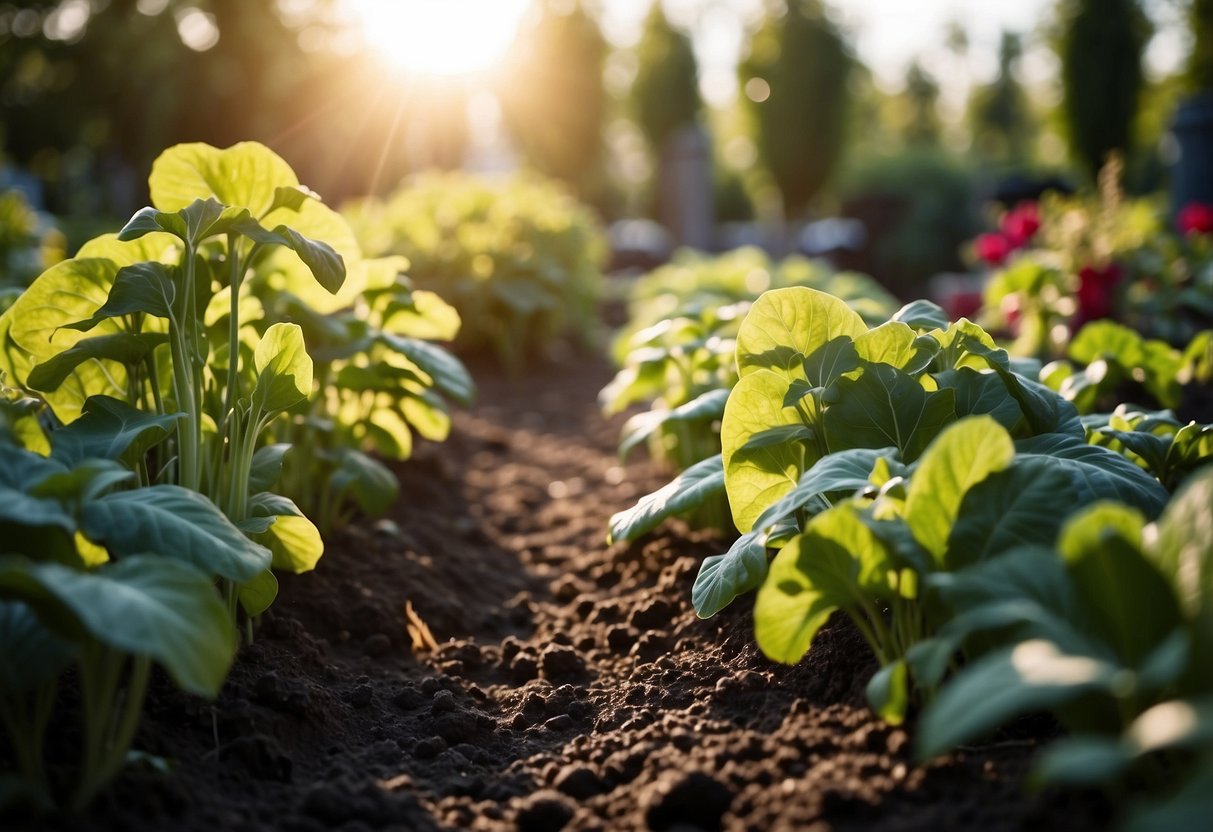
574,687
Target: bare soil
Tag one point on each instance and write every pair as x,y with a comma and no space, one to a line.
573,688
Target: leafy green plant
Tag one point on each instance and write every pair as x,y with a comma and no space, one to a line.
134,329
1109,631
28,244
678,350
520,262
103,576
379,381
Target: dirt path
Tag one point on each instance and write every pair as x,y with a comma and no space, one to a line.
574,687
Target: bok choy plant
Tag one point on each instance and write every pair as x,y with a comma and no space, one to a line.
123,332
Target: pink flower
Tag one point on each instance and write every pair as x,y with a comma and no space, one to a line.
1195,218
993,248
1020,224
1096,287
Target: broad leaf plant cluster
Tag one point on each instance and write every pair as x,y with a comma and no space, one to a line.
999,553
155,383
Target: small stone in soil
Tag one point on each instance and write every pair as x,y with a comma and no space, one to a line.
579,782
544,811
524,668
695,798
429,748
564,722
443,701
560,662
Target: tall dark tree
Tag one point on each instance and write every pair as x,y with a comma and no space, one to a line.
552,93
921,97
665,93
795,82
1101,49
999,118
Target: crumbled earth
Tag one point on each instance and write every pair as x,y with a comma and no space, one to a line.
573,686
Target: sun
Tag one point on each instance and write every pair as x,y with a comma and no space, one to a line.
444,38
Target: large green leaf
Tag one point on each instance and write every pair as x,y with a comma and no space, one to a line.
893,343
845,471
922,315
1015,506
144,287
34,330
722,578
835,560
1132,606
704,408
785,326
449,375
885,407
964,454
245,175
284,369
757,477
177,523
1030,676
294,542
144,605
692,488
979,393
1183,548
371,484
1098,473
126,348
267,466
111,429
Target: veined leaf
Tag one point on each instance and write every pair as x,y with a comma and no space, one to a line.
964,454
922,315
143,287
1098,473
257,596
692,488
144,605
758,477
640,427
845,471
126,348
837,558
176,523
245,175
111,429
284,369
449,375
785,326
722,578
884,407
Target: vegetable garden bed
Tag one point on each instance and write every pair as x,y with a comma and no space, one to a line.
573,687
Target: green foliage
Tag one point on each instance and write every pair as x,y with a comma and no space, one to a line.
678,354
27,245
666,89
520,263
795,76
170,360
1200,60
1101,53
999,116
553,100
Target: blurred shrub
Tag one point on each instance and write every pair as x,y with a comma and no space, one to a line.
665,93
28,245
1101,51
552,94
520,261
919,210
795,84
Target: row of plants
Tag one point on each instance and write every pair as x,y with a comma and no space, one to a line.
1000,552
189,400
520,260
676,354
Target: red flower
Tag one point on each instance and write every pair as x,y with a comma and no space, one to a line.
993,248
1020,224
1195,218
1096,285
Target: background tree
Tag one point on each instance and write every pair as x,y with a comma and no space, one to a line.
1101,48
552,94
665,93
920,105
795,82
999,118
